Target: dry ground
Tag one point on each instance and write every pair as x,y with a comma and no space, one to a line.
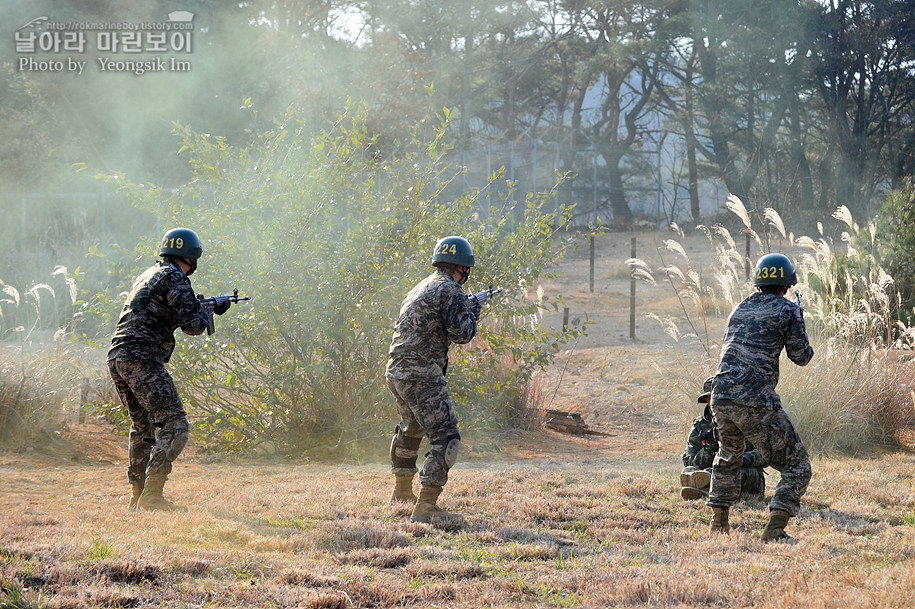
551,520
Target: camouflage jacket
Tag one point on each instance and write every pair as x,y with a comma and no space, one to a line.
702,446
434,314
758,329
160,301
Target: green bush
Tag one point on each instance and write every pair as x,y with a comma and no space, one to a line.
897,231
327,234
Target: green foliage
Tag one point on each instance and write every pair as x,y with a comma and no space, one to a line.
897,231
99,550
14,596
327,235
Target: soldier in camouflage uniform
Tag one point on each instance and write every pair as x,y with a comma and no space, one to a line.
699,455
434,314
160,301
745,404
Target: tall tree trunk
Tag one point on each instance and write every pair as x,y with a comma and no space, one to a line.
693,172
802,178
622,215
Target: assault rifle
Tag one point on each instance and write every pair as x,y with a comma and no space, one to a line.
209,305
481,297
797,300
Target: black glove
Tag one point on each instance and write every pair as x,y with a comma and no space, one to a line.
707,437
221,307
476,308
746,460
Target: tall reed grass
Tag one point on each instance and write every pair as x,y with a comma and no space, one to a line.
39,372
35,387
857,393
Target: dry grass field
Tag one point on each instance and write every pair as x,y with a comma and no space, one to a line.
550,520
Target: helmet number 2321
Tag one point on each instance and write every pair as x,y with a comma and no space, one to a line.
770,272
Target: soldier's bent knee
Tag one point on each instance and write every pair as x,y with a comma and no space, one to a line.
178,430
404,450
451,452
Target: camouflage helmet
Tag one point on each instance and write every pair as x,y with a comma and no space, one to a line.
774,269
181,242
454,250
706,396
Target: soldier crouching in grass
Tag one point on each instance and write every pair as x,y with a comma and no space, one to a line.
160,301
434,314
744,401
700,451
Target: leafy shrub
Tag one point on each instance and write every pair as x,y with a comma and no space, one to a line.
897,232
327,235
854,394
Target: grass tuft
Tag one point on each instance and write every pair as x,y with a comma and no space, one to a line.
445,570
328,600
130,571
194,567
377,557
351,535
300,577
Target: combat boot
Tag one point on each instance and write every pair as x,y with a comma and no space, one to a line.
701,478
136,491
686,475
775,528
691,493
403,489
425,509
152,498
719,523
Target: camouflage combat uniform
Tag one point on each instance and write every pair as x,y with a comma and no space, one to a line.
745,404
434,314
160,301
700,453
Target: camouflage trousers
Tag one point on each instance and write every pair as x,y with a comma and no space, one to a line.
773,435
148,392
426,410
752,481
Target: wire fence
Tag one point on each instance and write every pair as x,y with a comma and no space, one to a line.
531,166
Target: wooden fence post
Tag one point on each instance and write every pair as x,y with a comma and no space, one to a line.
632,296
746,261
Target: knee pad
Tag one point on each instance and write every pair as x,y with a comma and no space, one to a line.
404,450
449,451
440,458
